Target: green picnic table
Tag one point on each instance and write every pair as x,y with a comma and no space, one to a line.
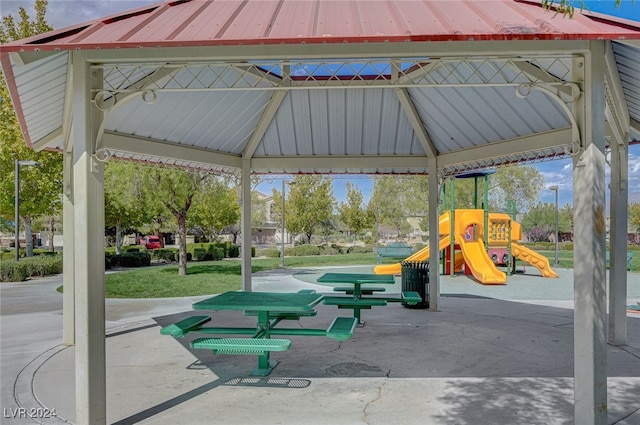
356,302
263,303
270,309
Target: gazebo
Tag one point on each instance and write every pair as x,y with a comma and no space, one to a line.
322,86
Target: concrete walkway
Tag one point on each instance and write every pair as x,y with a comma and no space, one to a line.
491,355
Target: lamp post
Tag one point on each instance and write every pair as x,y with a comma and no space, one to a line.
282,234
555,189
17,198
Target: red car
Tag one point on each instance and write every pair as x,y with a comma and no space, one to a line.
151,242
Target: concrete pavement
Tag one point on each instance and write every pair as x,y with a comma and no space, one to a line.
491,355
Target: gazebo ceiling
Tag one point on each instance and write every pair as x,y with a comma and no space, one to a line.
326,86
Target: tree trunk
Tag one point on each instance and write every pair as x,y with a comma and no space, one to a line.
52,223
182,232
28,236
119,236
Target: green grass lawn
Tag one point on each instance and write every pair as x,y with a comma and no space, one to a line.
208,277
213,277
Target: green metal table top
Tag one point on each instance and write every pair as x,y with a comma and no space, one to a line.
260,301
357,278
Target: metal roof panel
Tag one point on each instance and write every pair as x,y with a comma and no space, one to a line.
628,60
41,86
216,22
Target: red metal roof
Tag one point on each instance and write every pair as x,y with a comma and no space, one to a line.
255,22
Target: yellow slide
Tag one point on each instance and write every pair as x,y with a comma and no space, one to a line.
480,264
421,255
539,261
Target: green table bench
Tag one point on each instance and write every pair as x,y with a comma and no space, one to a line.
629,259
270,308
355,300
364,290
394,250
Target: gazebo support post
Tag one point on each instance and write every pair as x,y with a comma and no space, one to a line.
88,248
68,277
246,224
590,319
618,243
434,236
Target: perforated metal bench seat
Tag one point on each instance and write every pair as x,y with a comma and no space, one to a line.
342,328
411,297
181,328
350,302
249,346
284,315
365,290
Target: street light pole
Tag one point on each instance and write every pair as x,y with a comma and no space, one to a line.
17,202
282,232
555,189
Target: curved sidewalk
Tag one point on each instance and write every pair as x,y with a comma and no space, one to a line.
480,360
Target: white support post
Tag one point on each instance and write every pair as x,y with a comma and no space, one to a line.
88,199
618,243
246,224
68,277
590,318
434,236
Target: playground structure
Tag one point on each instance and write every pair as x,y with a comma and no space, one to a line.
469,247
475,248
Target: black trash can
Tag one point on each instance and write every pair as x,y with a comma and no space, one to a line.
415,277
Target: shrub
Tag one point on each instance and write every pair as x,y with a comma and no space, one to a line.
132,248
224,246
302,250
8,255
233,251
167,254
211,250
132,259
358,250
12,271
109,259
269,253
330,249
199,254
44,252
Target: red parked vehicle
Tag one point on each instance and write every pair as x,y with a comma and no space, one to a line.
151,242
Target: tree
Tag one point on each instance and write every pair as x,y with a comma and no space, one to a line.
215,207
353,213
540,221
309,204
175,189
388,203
634,216
40,189
567,7
124,204
565,219
521,184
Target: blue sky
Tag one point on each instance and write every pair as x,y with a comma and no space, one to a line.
62,13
